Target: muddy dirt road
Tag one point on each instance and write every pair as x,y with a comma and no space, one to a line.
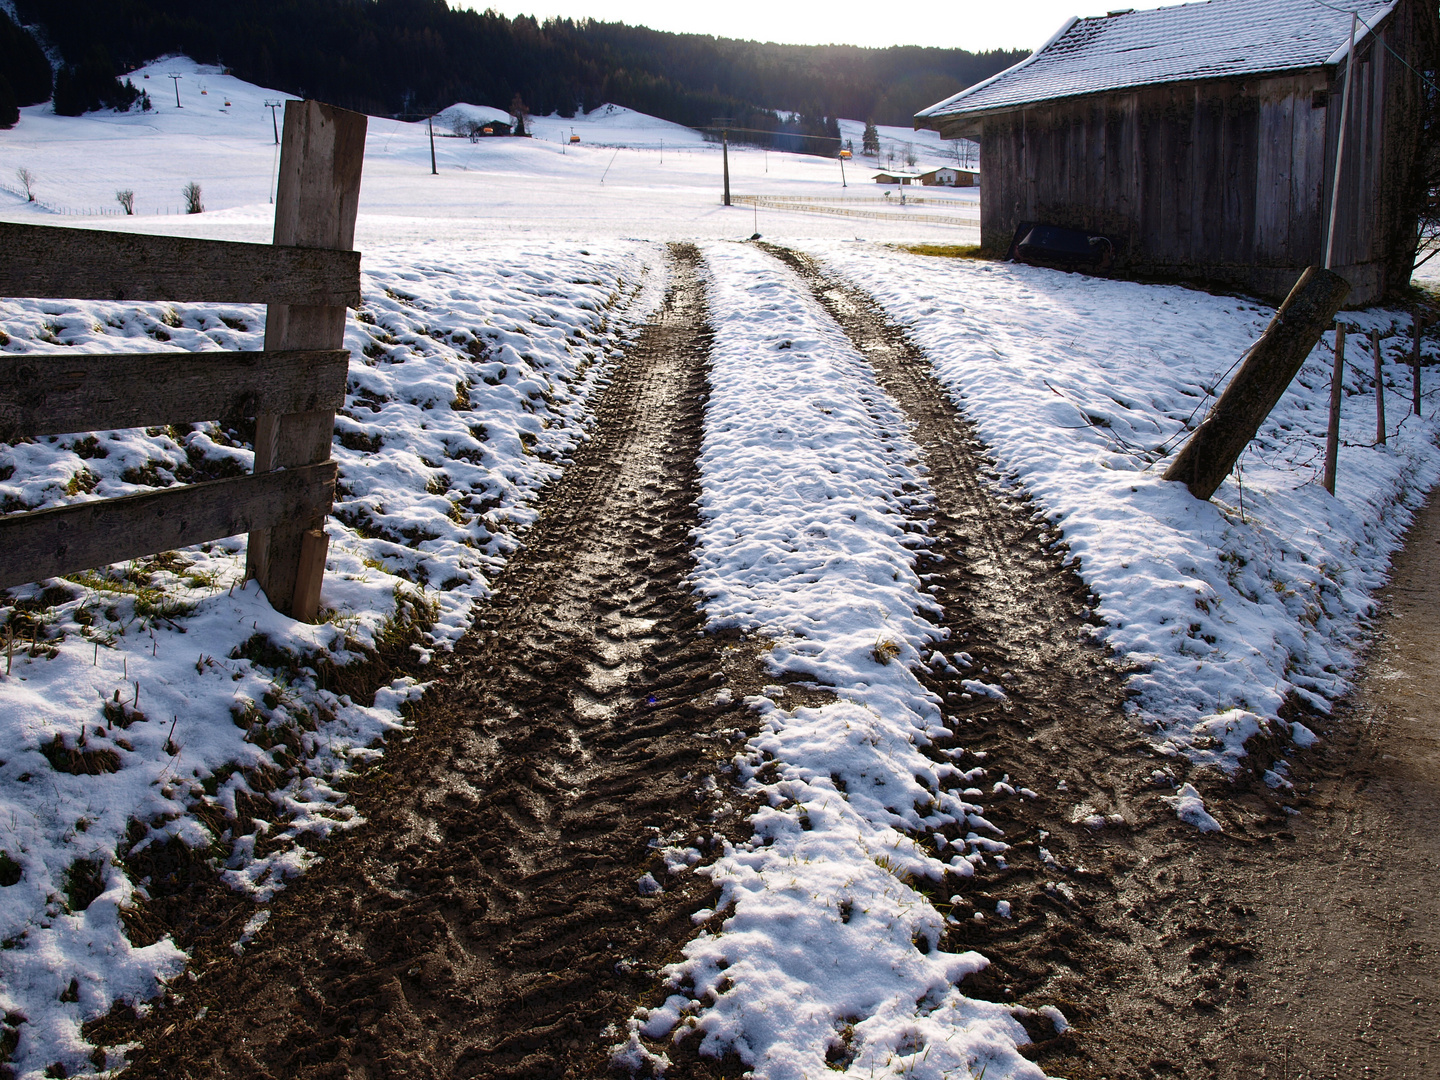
1346,979
486,921
489,919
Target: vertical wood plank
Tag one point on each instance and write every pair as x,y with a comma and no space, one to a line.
321,157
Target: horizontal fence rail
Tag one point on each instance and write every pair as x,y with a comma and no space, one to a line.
899,217
49,261
59,393
871,200
292,388
67,539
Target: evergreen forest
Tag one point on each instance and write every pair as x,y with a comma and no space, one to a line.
412,57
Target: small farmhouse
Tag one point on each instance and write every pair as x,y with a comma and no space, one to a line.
897,176
949,176
1202,139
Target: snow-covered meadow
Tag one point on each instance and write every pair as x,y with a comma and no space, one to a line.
631,175
495,294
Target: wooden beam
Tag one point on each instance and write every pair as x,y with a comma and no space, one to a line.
48,261
322,154
1211,452
51,393
48,543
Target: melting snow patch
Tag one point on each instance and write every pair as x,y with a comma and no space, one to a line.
1190,808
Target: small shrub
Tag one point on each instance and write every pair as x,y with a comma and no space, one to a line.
193,202
126,199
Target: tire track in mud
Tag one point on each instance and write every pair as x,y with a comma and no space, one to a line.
1120,915
488,919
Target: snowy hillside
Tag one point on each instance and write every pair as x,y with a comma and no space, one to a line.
631,175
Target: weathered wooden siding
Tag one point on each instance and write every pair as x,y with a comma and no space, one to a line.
1225,180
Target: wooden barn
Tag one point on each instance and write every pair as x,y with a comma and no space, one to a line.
1201,139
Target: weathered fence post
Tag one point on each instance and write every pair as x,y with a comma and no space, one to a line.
318,191
1332,431
1415,363
1379,389
1209,455
725,156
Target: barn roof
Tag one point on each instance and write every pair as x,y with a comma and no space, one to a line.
1215,39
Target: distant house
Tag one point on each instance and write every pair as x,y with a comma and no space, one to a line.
897,176
949,176
1201,139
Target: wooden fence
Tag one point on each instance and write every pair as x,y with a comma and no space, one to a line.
307,277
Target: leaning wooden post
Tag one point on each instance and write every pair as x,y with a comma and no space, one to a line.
1207,458
321,155
1332,432
1379,389
1415,363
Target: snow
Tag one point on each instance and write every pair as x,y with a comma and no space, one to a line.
631,176
471,367
809,538
1229,607
1179,43
1190,808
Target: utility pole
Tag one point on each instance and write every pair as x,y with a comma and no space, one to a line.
429,123
177,79
725,153
274,123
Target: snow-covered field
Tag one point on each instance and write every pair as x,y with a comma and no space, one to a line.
495,293
630,176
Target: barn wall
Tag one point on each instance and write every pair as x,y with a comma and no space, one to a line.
1226,180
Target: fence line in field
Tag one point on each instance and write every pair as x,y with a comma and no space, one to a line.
773,203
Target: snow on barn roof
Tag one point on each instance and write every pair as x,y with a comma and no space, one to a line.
1216,39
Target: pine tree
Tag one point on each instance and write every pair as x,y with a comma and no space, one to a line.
9,110
870,141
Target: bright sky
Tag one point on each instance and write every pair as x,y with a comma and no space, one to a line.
968,24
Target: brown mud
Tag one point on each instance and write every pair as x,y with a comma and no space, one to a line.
1295,945
487,919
